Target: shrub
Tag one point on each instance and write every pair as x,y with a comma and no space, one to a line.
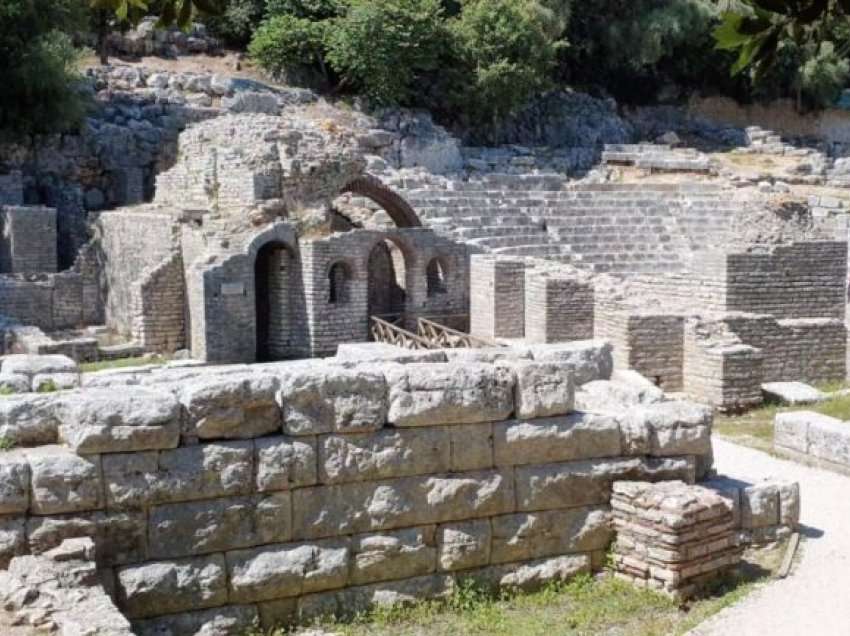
286,44
238,22
312,9
509,52
384,47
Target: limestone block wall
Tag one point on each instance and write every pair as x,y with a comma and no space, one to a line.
159,320
28,240
132,244
47,301
497,297
285,491
558,308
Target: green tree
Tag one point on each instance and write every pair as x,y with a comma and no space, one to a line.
509,49
291,47
38,73
238,21
383,48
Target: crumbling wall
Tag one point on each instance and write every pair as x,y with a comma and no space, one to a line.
558,307
27,240
288,491
497,297
47,301
159,323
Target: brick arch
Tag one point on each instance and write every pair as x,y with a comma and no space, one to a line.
394,205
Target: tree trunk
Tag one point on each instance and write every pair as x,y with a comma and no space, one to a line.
103,37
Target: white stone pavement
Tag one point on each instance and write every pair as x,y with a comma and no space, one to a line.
815,599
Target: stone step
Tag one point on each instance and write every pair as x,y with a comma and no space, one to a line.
494,231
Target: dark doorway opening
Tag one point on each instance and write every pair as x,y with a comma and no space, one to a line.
273,292
387,281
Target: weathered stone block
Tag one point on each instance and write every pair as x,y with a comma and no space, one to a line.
231,407
55,381
464,545
350,601
63,481
589,359
278,613
29,420
533,575
789,503
393,555
791,430
119,538
829,439
232,620
202,527
14,383
759,506
384,454
281,571
14,482
205,471
332,399
556,439
667,429
543,389
31,364
167,587
13,539
730,491
104,420
427,394
472,446
791,393
608,396
409,501
285,462
585,483
520,537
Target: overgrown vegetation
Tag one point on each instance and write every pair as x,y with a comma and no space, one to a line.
585,605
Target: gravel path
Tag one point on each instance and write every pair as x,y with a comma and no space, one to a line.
815,599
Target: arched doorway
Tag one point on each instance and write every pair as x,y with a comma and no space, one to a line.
273,271
387,281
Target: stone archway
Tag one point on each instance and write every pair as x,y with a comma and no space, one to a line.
398,209
273,288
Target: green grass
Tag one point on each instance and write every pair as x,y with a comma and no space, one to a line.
755,428
121,363
6,444
584,606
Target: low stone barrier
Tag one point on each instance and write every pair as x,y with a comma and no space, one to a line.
814,439
277,493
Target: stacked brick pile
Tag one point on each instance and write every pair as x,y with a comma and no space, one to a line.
672,536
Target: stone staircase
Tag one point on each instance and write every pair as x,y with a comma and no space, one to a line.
617,228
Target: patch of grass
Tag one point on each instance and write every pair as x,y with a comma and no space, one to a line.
47,386
121,363
583,606
6,444
755,428
6,390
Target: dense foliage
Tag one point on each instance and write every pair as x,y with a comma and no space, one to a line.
37,68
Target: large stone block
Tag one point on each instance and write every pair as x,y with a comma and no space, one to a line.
332,399
393,555
609,396
556,439
231,407
120,538
667,429
205,471
280,571
63,481
524,536
202,527
464,545
384,454
428,394
31,364
472,446
789,503
168,587
231,620
108,421
409,501
543,389
14,482
533,575
29,420
348,602
589,482
759,506
829,439
285,462
13,539
791,430
589,359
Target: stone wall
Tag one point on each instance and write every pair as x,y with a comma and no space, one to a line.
497,297
47,301
159,321
132,245
27,240
281,492
558,308
11,188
